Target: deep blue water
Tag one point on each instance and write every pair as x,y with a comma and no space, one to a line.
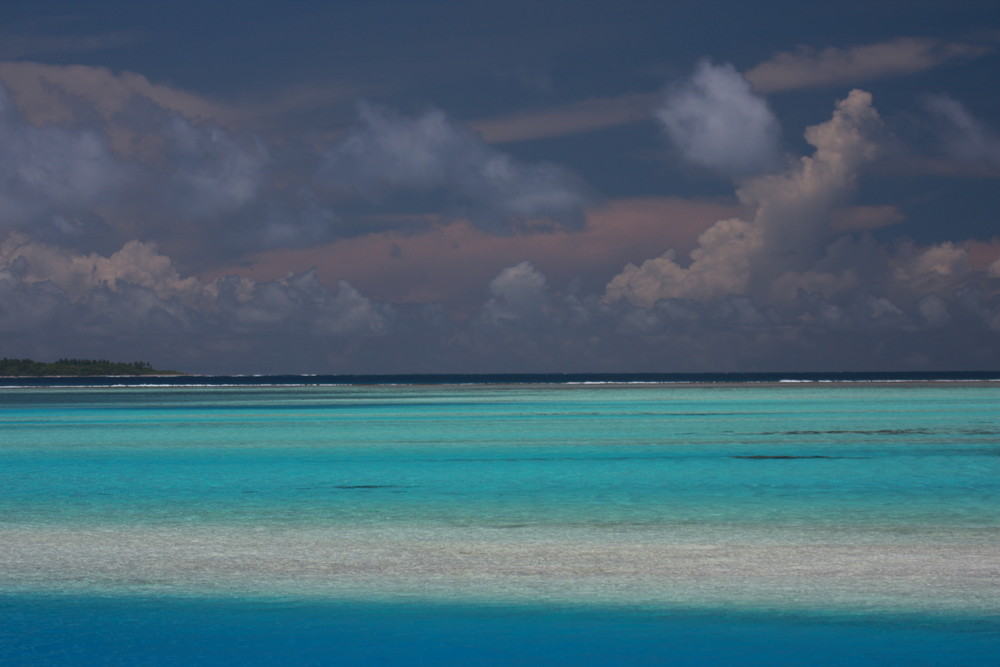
172,631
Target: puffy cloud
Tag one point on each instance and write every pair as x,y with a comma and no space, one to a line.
78,275
716,121
934,310
137,298
860,218
964,136
720,265
299,303
781,290
103,158
518,296
135,303
790,225
214,172
994,268
51,177
807,68
935,269
769,285
94,158
793,209
387,153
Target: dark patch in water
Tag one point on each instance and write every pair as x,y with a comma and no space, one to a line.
557,459
884,431
353,487
760,457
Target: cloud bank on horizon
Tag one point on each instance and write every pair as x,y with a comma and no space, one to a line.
825,207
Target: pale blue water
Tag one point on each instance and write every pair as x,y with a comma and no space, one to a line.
750,524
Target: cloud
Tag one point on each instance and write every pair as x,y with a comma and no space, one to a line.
807,68
716,121
860,218
298,303
936,269
964,136
76,275
720,265
51,177
518,295
844,312
126,104
60,93
786,278
783,290
102,158
568,119
387,154
214,171
793,209
454,260
860,315
860,306
136,297
97,158
790,226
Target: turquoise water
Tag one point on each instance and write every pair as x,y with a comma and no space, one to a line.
753,524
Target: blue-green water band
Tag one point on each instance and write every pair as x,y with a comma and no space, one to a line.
791,497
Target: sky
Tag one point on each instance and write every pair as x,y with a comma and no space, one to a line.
520,186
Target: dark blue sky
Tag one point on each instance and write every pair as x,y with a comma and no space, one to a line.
490,186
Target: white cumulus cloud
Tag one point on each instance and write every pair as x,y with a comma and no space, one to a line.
715,120
790,226
518,294
137,297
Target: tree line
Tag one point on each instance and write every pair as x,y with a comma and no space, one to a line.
30,368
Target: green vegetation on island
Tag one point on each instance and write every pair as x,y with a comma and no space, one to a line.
77,367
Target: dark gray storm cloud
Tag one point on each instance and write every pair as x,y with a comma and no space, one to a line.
52,178
214,173
95,173
95,159
388,153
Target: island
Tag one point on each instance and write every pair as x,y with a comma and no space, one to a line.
77,367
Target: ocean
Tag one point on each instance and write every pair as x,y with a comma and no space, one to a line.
683,520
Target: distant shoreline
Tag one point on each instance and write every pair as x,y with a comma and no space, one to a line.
79,368
56,377
167,379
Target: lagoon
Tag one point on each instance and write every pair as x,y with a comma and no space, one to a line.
755,523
